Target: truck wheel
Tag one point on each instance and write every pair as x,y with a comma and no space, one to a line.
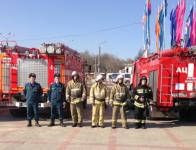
18,112
184,115
187,115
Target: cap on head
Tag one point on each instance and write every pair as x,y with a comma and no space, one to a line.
32,75
99,77
120,76
57,75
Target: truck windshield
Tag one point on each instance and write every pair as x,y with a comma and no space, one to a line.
114,75
127,76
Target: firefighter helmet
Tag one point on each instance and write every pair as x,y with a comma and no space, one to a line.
99,77
74,73
120,76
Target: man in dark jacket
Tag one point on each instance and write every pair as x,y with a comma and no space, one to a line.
56,96
33,92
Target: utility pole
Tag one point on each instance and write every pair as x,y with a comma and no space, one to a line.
99,60
95,65
99,57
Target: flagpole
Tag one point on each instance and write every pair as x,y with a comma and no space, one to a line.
145,29
164,26
147,34
144,24
148,30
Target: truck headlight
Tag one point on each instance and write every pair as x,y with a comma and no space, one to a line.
192,95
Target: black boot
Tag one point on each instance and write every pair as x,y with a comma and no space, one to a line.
51,123
138,125
143,125
80,125
61,123
74,125
113,126
125,127
93,126
29,123
37,124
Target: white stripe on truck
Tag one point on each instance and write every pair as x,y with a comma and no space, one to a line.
190,70
189,86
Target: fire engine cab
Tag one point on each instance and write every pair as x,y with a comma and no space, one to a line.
17,62
172,76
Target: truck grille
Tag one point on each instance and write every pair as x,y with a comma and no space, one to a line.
6,77
37,66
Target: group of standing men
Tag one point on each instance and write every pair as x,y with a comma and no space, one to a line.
75,93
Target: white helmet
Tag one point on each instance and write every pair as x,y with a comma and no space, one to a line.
120,76
99,77
74,73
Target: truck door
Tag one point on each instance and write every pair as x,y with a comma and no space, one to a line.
153,81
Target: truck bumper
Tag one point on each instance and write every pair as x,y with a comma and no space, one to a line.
181,104
22,104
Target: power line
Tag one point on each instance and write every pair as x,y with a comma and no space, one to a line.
82,34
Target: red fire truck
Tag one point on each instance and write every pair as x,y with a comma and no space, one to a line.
17,62
172,76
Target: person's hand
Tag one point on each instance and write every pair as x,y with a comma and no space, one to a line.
68,100
48,102
64,104
111,103
124,104
151,102
83,98
142,99
93,102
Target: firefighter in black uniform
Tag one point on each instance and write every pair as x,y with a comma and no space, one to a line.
56,96
33,92
143,97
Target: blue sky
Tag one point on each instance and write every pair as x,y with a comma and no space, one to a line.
36,21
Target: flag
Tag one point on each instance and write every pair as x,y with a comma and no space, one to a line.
147,12
189,29
193,31
144,26
161,23
180,12
165,4
148,6
173,27
157,30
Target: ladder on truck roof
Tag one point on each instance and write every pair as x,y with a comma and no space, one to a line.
169,77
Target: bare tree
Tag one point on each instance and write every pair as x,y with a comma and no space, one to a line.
109,62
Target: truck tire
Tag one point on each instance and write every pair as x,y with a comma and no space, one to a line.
18,112
187,115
